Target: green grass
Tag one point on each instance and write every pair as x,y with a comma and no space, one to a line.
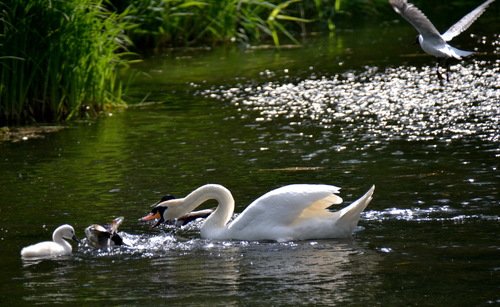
197,22
59,59
167,23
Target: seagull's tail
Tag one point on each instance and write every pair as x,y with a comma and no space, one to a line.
459,54
349,216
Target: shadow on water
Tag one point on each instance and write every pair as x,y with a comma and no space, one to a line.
332,112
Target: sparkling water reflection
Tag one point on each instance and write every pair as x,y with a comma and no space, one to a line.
397,103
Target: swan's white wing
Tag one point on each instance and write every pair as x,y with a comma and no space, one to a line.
284,206
464,23
417,19
43,249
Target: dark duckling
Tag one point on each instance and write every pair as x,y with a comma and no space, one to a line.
106,235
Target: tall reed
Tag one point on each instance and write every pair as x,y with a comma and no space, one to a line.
195,22
58,58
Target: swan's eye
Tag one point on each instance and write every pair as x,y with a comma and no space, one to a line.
159,210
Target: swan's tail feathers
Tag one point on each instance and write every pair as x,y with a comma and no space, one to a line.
349,216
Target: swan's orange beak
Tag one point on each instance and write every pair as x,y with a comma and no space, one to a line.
151,216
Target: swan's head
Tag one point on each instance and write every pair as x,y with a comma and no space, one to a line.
168,208
66,232
156,213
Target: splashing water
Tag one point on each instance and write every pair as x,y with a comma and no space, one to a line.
186,238
436,213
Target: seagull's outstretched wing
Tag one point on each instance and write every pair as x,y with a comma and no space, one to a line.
417,19
464,23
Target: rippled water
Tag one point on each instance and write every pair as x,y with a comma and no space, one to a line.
429,237
406,103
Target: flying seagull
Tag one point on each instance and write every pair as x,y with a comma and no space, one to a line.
429,38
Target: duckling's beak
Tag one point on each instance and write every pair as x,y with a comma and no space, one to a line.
74,238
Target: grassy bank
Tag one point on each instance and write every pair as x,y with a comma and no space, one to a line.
59,59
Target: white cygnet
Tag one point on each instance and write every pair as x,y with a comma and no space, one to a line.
57,247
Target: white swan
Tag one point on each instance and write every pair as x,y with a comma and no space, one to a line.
57,247
293,212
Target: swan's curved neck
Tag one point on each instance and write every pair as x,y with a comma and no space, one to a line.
58,238
219,218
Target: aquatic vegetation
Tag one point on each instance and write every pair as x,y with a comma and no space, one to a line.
185,22
59,59
188,22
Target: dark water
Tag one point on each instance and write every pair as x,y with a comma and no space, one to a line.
352,110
